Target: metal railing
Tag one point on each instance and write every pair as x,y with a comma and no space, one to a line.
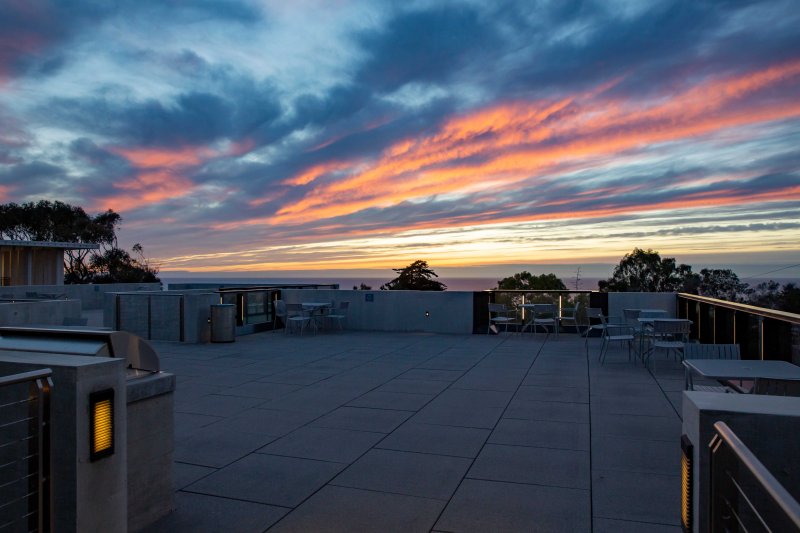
745,496
255,305
760,332
26,502
515,298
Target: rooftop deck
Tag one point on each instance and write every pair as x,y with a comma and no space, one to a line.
422,432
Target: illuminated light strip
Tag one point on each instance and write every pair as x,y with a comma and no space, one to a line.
101,424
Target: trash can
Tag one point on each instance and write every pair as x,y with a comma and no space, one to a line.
223,322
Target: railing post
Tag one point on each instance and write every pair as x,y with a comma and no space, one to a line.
761,337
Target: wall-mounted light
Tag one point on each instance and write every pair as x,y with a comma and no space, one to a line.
687,462
427,313
101,424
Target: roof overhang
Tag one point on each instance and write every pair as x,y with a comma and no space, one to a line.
50,244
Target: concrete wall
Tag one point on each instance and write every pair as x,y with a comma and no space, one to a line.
87,496
768,425
150,449
617,301
405,311
167,316
45,312
90,295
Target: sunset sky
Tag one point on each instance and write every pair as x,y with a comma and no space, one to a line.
277,136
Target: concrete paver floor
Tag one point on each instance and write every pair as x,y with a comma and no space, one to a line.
364,431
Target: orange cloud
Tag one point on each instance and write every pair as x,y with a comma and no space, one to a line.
521,142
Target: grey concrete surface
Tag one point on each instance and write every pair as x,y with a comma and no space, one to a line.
362,431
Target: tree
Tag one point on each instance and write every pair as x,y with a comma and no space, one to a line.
646,271
526,281
772,295
117,266
61,222
362,287
415,277
722,284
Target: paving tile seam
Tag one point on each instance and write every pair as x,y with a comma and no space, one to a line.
617,519
296,457
676,477
591,453
450,456
486,440
235,499
495,443
511,482
374,445
344,486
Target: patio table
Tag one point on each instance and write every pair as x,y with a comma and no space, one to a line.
737,369
317,311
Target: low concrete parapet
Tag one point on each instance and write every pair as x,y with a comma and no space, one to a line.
401,311
42,312
768,425
180,316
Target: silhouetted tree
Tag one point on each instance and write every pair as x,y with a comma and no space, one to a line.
61,222
646,271
722,284
362,287
772,295
415,277
526,281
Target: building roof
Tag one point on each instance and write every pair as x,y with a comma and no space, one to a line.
50,244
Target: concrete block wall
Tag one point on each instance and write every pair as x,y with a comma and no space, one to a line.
401,311
42,313
91,296
150,449
157,315
87,496
768,425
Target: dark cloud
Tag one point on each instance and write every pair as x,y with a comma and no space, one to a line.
425,46
34,33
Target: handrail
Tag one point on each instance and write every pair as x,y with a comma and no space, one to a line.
277,286
25,376
547,291
752,309
764,477
36,455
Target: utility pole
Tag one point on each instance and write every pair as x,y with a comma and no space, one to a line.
578,279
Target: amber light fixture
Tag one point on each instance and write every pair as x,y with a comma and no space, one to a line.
101,424
687,461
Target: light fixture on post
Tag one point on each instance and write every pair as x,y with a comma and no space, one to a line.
101,424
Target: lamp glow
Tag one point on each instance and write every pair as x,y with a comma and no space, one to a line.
686,483
101,419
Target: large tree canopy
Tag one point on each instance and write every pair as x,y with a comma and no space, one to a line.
646,271
415,277
61,222
526,281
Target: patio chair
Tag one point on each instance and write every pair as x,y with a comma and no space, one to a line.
615,333
544,316
500,314
338,314
693,350
297,317
569,316
777,387
668,335
280,312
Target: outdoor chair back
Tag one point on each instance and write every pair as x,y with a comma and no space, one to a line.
694,350
777,387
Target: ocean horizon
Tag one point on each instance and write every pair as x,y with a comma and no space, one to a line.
346,283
